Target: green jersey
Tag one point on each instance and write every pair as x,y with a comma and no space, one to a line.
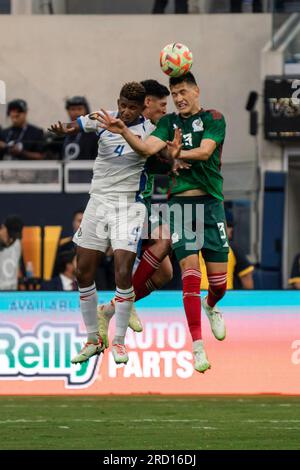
205,175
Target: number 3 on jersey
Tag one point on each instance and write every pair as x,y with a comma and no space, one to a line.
119,150
221,227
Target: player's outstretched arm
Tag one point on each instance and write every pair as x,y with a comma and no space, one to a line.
203,152
146,148
61,129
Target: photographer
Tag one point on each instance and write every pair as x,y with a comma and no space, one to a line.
21,141
81,146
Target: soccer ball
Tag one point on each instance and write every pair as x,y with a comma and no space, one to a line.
176,59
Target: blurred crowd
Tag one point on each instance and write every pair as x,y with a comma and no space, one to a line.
16,274
24,141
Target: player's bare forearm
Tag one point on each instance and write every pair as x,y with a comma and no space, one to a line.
194,154
145,149
203,152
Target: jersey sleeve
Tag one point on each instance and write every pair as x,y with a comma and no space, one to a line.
88,125
295,274
162,130
215,128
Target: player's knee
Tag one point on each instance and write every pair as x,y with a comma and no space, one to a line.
123,277
83,276
190,262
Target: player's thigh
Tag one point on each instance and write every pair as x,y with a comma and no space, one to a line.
93,231
187,233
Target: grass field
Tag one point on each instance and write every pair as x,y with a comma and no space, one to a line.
152,422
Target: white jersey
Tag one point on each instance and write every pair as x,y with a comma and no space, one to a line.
118,168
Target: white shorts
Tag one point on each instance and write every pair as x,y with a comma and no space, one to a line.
111,220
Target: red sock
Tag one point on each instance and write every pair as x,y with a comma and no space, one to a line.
147,267
217,284
191,279
145,290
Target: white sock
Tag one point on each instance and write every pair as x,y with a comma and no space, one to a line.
88,307
123,304
197,344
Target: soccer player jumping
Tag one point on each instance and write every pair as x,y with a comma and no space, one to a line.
203,134
112,215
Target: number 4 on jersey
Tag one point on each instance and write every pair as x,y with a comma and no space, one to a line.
119,150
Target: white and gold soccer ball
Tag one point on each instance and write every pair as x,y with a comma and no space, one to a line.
176,59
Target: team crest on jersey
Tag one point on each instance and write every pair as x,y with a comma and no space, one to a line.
79,233
198,125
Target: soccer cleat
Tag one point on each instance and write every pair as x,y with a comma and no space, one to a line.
201,363
104,314
88,350
106,311
120,353
134,322
216,320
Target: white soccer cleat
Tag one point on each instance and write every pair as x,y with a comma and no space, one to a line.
88,350
216,320
120,353
201,363
106,311
134,322
104,314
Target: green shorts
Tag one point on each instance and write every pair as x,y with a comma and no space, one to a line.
153,219
201,227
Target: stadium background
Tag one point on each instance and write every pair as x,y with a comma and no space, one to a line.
46,58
